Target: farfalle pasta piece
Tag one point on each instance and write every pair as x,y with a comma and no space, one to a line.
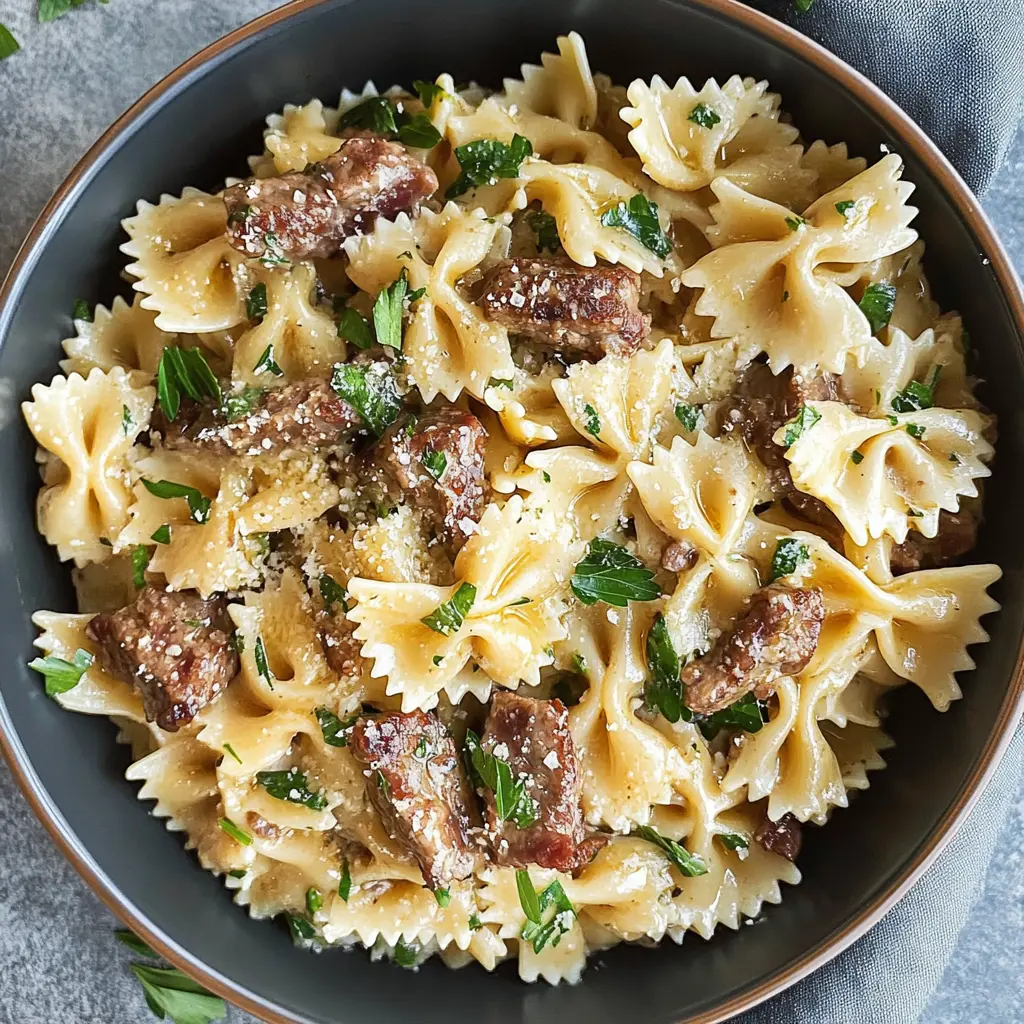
87,427
512,564
300,135
528,408
562,86
123,336
763,286
832,165
911,466
679,133
184,265
449,346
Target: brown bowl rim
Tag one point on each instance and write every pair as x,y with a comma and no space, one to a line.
1011,711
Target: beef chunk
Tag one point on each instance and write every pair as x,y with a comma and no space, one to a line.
587,310
957,534
533,737
173,647
679,556
303,416
763,403
776,636
415,782
341,648
782,837
436,462
306,214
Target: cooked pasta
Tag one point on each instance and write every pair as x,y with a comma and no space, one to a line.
498,521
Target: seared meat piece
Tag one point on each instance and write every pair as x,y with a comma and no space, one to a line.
415,782
588,310
679,556
776,636
436,462
306,214
782,837
533,737
340,646
957,534
173,647
305,415
763,403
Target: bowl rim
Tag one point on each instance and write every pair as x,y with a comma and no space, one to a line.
909,135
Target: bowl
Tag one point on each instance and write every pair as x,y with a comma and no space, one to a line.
197,126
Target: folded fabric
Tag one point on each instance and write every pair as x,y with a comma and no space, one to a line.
957,68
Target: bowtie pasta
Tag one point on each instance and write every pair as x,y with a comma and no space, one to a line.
498,521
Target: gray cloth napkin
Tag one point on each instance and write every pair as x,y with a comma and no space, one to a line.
949,953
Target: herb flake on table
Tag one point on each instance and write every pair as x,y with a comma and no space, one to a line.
172,995
484,161
609,573
639,218
511,801
134,943
8,44
62,675
291,785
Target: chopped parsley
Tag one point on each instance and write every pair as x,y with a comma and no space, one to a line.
375,113
273,254
333,728
241,404
591,420
549,914
917,394
198,505
388,311
664,691
475,924
238,873
301,929
789,554
545,227
704,116
371,391
332,592
239,835
794,223
434,462
844,207
578,664
805,418
162,534
293,786
80,311
443,897
688,863
877,304
733,841
609,573
8,44
256,302
511,801
499,382
127,422
484,161
355,328
418,132
915,430
140,562
748,714
690,416
639,217
172,995
406,954
314,900
427,91
61,675
262,667
231,750
184,371
266,363
345,883
857,457
447,618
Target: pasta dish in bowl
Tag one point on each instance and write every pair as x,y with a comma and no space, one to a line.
497,521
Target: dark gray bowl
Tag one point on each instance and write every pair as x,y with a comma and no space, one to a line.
196,127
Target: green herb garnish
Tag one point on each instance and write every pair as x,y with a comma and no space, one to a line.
545,227
256,302
375,113
639,217
704,116
484,161
877,304
172,995
511,801
688,863
198,506
843,208
794,223
475,924
805,418
266,363
549,914
406,954
355,328
345,883
241,404
127,422
371,391
61,675
184,371
427,91
664,691
162,534
314,900
262,665
447,618
418,132
443,897
293,786
856,457
789,554
388,311
915,430
434,462
234,753
609,573
333,728
332,592
917,394
591,420
690,416
239,835
140,562
748,714
733,841
301,929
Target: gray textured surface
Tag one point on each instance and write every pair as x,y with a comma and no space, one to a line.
951,952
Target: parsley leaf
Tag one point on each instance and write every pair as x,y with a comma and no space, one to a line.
704,116
333,728
302,930
371,391
127,422
406,954
511,801
794,223
262,667
611,574
418,132
61,675
388,311
198,505
640,219
266,363
427,91
9,45
748,714
549,914
733,841
690,416
857,457
162,534
239,835
447,618
664,691
184,370
241,404
805,418
915,430
134,943
443,897
345,882
375,113
140,562
545,227
171,994
877,304
273,254
256,302
434,462
475,924
293,786
843,208
234,753
314,900
917,394
484,161
803,6
688,863
355,328
332,592
789,554
591,420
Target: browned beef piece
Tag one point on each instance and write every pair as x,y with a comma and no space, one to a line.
776,636
340,645
448,441
305,416
588,310
763,403
679,556
173,647
958,532
782,837
309,213
533,737
413,778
